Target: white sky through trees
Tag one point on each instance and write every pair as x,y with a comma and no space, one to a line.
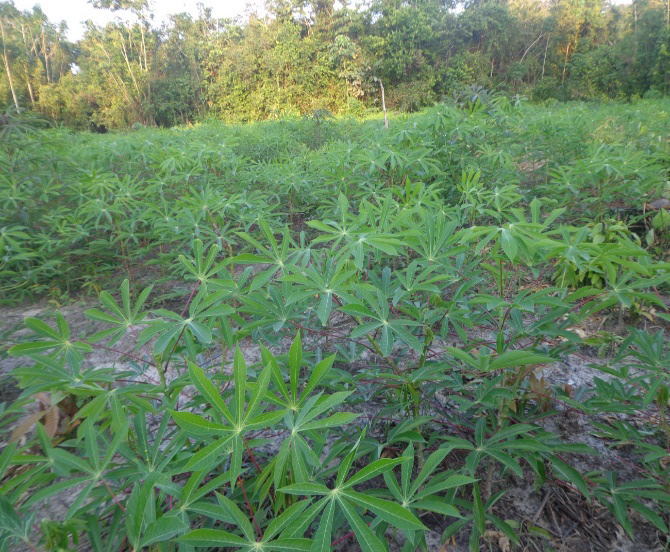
75,12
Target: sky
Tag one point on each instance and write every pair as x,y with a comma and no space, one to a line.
75,12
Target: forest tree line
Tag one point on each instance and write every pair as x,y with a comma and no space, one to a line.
298,56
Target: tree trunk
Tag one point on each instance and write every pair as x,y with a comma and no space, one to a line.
144,49
386,121
30,87
46,56
544,61
119,81
25,65
130,69
529,47
9,72
565,63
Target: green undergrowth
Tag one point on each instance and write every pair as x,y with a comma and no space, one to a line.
398,294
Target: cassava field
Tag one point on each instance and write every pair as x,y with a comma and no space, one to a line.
319,334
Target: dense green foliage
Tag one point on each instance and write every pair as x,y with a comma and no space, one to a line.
302,56
413,284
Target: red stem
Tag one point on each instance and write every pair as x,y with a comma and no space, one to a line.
122,353
251,454
109,489
183,312
253,517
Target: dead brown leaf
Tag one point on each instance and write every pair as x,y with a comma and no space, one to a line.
26,425
503,540
51,421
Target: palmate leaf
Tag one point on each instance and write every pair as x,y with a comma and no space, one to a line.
295,450
52,339
344,497
201,267
371,470
323,278
412,226
65,463
140,509
618,497
236,421
289,399
377,308
205,309
121,316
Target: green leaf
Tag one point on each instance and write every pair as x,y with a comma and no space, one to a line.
438,506
322,538
55,488
209,456
621,514
69,460
289,545
338,419
212,537
363,329
324,308
386,341
258,394
509,244
428,467
305,489
570,474
240,376
506,460
6,457
389,511
9,519
318,373
197,425
208,391
650,516
367,540
280,522
264,420
307,414
519,358
373,470
449,483
407,336
240,519
356,309
294,363
463,356
478,509
200,331
162,529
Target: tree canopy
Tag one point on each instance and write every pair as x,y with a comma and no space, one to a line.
301,56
